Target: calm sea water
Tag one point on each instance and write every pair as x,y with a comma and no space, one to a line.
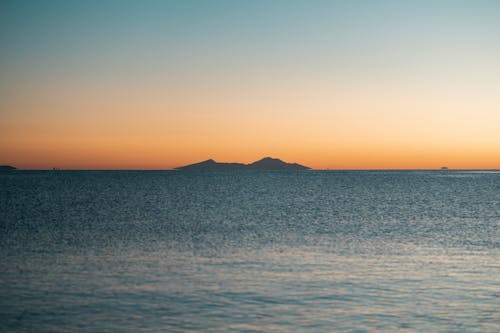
313,251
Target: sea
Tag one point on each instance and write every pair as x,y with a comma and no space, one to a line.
250,251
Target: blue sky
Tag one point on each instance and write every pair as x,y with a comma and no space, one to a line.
372,35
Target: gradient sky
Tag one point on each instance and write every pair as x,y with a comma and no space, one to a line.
329,84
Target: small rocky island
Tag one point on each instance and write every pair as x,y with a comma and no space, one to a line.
266,163
7,168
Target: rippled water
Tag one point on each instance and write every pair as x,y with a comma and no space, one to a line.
312,251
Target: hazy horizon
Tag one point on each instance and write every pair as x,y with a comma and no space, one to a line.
327,84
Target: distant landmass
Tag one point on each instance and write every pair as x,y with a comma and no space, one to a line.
7,168
266,163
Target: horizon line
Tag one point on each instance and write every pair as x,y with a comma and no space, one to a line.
311,169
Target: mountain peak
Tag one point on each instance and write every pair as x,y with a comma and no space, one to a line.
269,163
267,158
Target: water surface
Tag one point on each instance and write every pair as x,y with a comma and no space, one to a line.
309,251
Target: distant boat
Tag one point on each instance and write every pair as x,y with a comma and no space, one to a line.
444,168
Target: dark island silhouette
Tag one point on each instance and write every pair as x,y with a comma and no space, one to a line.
266,163
7,168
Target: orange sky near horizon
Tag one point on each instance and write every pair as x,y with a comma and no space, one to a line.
325,128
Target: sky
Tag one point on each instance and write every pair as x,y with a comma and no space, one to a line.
329,84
